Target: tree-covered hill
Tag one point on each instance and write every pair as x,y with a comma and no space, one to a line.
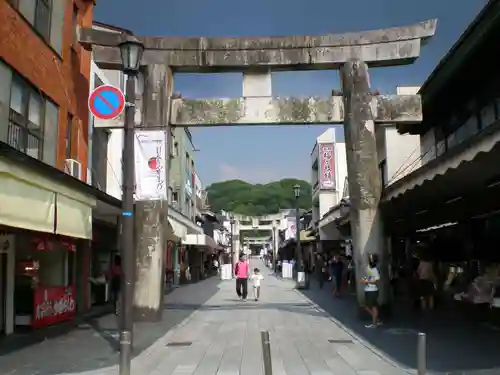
257,199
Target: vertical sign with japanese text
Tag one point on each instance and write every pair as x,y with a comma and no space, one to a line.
150,173
327,166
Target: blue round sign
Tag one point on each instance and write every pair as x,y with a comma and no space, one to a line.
106,102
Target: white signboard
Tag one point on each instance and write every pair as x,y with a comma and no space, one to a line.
150,174
291,230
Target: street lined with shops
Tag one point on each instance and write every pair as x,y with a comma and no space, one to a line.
207,330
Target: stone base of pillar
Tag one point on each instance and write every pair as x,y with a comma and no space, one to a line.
151,227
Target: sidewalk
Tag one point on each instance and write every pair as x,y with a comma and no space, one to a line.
221,336
455,346
92,347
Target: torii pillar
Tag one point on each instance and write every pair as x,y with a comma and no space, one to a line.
257,57
365,185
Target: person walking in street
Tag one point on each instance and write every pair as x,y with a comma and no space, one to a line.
320,269
116,280
256,278
426,284
371,280
242,272
337,273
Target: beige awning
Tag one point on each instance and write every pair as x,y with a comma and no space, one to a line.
28,200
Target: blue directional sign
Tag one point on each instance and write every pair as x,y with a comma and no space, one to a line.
106,102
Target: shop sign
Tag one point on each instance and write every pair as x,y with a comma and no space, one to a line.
53,305
327,163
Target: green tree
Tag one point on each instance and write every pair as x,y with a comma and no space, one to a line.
257,199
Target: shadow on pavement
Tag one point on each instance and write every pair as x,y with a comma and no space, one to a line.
94,344
454,346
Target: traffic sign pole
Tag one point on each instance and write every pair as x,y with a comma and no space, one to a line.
127,244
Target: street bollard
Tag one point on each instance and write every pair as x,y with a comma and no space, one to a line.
421,354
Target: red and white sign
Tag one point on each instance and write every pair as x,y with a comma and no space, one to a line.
53,305
150,173
327,166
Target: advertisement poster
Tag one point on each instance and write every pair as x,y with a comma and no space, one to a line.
327,166
53,305
150,174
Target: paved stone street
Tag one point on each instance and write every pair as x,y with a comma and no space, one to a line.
223,337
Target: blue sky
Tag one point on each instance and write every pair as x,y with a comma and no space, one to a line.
261,154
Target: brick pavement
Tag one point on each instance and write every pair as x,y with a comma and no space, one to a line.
224,333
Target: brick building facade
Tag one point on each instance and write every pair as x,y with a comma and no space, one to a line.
47,75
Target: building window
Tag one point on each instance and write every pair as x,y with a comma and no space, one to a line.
42,18
25,129
75,23
69,133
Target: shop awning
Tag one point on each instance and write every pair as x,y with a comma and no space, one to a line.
200,240
465,164
177,231
32,201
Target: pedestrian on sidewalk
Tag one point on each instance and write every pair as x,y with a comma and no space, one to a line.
371,280
116,281
337,271
242,272
320,269
256,278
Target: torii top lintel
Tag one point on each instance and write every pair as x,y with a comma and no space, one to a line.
384,47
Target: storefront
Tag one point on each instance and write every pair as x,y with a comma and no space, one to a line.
44,280
104,248
7,267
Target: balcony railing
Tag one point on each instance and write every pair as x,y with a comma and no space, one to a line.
21,137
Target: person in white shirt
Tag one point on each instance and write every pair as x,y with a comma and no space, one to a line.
371,280
256,278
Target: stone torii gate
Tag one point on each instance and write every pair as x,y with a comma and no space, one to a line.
256,57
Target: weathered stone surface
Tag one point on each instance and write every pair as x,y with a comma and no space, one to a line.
422,30
365,185
151,227
399,45
282,110
209,61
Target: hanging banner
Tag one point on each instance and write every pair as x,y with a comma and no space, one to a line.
327,166
150,173
291,230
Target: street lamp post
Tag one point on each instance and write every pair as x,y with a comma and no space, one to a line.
232,244
131,53
301,275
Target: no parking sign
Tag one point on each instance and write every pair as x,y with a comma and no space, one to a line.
106,102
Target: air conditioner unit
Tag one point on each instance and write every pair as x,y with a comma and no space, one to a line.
89,177
74,168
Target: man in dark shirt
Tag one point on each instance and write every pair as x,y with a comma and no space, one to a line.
320,269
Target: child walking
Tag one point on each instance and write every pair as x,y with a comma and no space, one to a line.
256,278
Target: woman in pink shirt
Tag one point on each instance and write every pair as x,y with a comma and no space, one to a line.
242,272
